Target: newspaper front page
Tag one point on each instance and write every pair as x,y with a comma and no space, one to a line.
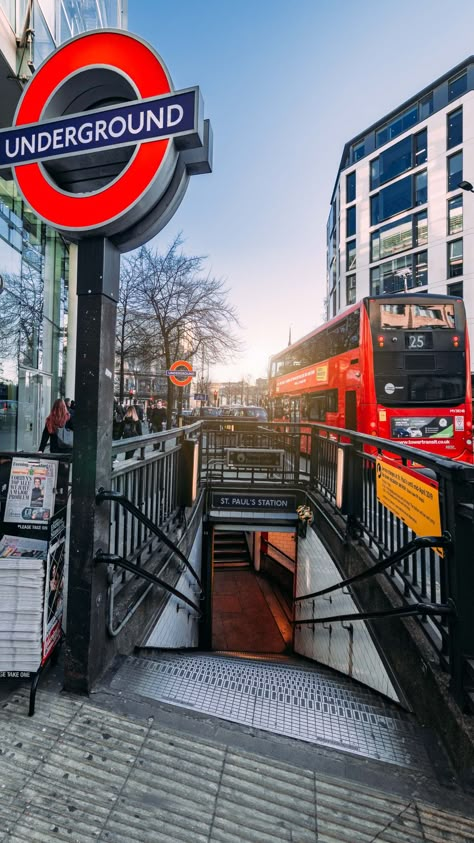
31,491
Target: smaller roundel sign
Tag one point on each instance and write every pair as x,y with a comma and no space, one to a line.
181,373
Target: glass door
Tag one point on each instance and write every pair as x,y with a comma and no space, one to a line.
34,404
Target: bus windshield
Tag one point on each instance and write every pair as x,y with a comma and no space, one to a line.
404,317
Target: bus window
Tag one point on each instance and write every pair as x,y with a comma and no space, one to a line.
295,410
322,403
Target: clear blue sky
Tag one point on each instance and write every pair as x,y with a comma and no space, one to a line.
285,84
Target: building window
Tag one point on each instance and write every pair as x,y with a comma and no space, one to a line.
398,197
426,106
420,147
399,275
399,124
421,188
350,187
392,238
454,171
391,163
457,85
421,269
455,214
402,156
454,128
455,289
351,221
455,263
351,256
392,200
399,236
358,151
351,289
421,229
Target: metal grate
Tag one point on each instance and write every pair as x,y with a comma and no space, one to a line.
311,705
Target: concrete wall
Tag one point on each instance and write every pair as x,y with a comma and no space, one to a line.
346,647
178,625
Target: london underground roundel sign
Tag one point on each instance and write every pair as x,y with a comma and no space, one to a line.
102,144
180,373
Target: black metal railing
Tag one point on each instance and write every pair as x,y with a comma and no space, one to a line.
380,567
218,436
113,559
337,470
145,510
150,481
413,609
344,479
104,495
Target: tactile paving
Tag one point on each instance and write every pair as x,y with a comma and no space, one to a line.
308,704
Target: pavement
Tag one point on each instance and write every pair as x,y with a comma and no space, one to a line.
122,769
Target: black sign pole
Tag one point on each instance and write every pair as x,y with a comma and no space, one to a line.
98,277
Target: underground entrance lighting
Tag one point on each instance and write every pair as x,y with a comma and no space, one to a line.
466,185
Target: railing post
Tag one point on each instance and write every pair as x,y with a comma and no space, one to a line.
296,447
313,466
353,491
460,576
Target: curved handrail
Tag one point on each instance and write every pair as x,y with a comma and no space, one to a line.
281,552
400,611
114,559
416,544
117,497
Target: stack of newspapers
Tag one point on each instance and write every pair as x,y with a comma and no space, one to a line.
22,596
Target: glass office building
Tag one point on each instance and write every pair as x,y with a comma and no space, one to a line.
399,221
37,266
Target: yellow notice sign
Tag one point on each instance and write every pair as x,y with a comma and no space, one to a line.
411,497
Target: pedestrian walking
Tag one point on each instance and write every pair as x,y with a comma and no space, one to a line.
139,411
157,417
54,427
157,420
131,426
117,420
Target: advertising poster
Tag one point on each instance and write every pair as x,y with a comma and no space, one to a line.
423,427
31,491
53,598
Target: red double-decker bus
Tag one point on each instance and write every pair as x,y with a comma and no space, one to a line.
394,366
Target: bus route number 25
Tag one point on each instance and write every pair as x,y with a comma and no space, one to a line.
416,341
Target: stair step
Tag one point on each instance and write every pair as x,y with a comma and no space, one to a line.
231,550
231,564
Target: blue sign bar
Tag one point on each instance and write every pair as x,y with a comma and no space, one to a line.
147,120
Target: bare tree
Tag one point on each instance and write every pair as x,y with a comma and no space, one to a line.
189,308
136,343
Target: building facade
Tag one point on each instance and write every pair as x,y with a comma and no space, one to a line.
399,222
37,266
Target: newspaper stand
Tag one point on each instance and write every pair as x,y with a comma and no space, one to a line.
34,522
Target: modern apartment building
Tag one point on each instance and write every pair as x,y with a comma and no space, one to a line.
399,220
37,267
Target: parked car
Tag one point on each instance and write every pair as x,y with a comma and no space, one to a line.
208,412
241,411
